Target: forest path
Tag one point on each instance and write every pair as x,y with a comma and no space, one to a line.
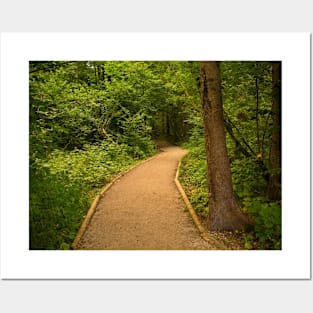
143,210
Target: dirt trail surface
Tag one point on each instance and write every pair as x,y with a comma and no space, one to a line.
143,210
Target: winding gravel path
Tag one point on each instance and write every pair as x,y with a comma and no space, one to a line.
143,210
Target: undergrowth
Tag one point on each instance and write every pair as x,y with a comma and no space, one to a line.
63,185
248,186
193,178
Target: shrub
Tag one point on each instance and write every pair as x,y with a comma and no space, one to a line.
136,135
56,210
248,180
193,178
267,229
63,185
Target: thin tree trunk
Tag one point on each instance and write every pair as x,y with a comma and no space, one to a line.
224,212
274,186
168,125
165,131
257,110
264,133
230,125
96,76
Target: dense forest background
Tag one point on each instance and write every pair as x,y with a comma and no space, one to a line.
90,120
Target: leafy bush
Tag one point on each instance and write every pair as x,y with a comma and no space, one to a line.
199,201
267,228
92,166
63,186
135,133
193,178
56,210
248,180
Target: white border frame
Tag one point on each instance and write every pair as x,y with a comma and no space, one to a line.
292,262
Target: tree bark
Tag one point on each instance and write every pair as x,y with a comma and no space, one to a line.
274,186
224,212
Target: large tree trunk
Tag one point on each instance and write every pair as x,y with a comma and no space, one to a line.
224,212
274,186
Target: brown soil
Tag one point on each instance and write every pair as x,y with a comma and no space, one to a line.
143,210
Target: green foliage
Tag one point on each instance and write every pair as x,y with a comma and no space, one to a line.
56,210
63,185
88,122
248,179
267,228
193,178
179,99
199,201
136,134
78,103
266,233
91,166
246,89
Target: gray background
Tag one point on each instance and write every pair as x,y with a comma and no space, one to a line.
151,16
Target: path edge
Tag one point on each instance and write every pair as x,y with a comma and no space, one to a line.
92,209
194,216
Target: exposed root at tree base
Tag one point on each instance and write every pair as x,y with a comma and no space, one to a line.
229,221
231,240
